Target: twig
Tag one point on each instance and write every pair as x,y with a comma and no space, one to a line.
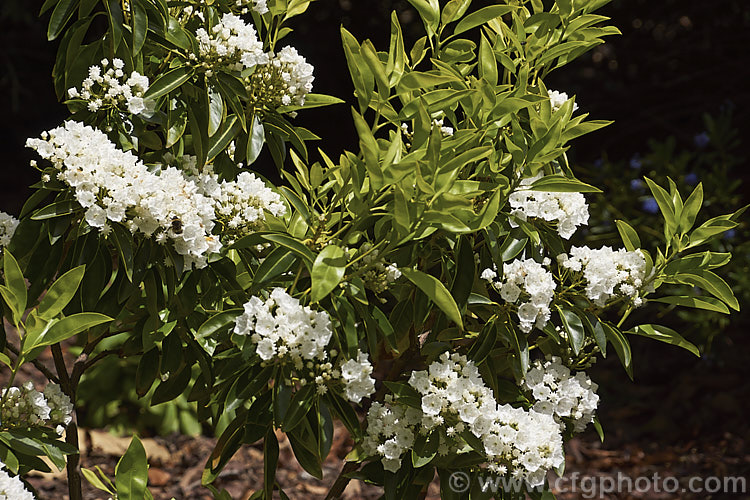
341,481
39,366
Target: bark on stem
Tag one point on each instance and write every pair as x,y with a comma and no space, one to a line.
71,433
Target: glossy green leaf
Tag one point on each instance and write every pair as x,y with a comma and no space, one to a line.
664,334
706,303
560,183
328,269
131,472
15,282
70,326
482,16
60,16
169,81
436,291
300,404
574,328
60,293
629,236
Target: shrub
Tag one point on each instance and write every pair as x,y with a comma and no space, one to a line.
426,279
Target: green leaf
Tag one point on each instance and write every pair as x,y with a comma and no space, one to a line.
436,291
169,81
255,140
148,369
629,237
70,326
711,282
140,25
666,205
707,303
131,472
300,404
124,243
94,480
218,322
622,347
574,328
691,208
279,261
15,282
482,16
294,245
328,269
561,184
483,344
405,393
56,209
221,139
664,334
60,17
429,11
60,293
270,461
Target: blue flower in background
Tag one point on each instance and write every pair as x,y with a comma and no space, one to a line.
636,185
691,179
635,162
730,234
599,162
649,205
701,140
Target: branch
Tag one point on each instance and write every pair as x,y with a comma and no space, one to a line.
71,434
38,365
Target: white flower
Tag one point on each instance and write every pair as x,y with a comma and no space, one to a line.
282,321
8,225
11,487
557,99
106,88
232,42
608,272
358,383
116,186
454,397
566,397
569,210
530,280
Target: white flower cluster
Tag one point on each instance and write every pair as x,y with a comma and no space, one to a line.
113,185
525,444
608,272
8,225
557,99
379,275
569,210
567,397
259,6
240,205
11,487
446,131
233,43
285,80
355,374
391,431
108,86
282,328
25,406
526,281
280,79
